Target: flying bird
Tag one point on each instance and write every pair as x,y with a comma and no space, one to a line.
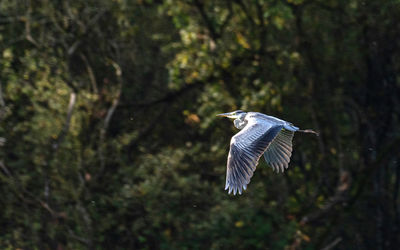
259,135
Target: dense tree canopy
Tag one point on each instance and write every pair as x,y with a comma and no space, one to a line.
109,139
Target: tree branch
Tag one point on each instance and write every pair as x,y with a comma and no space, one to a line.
5,169
28,26
2,105
90,73
167,98
246,12
228,18
2,102
344,182
64,131
110,113
332,244
199,5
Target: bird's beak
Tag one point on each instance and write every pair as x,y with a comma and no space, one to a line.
224,114
229,115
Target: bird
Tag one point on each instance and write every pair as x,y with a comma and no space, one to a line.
259,135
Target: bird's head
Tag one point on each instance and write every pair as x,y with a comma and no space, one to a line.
238,114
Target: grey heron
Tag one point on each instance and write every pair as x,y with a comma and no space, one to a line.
259,135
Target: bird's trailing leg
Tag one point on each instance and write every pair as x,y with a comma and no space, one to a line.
310,131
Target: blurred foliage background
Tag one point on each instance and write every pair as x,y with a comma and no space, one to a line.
109,140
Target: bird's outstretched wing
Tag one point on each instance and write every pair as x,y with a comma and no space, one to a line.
279,151
247,147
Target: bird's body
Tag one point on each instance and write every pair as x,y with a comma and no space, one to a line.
260,134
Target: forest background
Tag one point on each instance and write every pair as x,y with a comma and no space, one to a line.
109,139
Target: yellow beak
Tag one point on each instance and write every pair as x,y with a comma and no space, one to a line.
230,115
224,114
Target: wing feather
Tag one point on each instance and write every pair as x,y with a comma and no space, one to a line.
284,146
279,151
246,148
272,159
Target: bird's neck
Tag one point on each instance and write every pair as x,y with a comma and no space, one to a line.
240,123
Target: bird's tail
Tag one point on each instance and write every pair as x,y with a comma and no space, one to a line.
310,131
